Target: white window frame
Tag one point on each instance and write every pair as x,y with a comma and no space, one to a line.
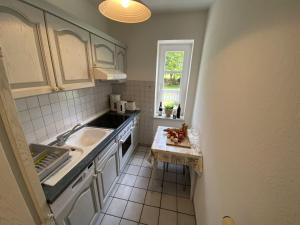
173,45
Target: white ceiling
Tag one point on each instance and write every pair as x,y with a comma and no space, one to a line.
174,5
177,5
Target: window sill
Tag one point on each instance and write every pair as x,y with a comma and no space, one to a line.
163,117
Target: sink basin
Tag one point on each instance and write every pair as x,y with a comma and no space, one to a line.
87,137
81,143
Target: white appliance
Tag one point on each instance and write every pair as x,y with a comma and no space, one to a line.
121,106
108,74
113,99
125,144
131,106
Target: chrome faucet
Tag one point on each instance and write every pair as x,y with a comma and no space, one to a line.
61,139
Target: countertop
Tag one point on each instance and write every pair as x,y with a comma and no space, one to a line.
52,192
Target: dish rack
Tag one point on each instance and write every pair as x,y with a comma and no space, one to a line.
48,158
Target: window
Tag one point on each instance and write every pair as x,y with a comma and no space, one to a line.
172,72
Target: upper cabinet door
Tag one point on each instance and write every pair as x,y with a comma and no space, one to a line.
103,53
24,44
121,59
71,54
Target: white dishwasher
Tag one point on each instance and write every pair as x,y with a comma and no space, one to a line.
79,203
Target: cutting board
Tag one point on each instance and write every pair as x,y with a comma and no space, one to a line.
184,144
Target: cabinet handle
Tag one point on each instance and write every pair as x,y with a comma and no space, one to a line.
55,88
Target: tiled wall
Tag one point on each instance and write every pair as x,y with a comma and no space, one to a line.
45,116
142,92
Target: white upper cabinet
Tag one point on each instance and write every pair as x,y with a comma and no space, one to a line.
71,54
103,53
24,45
120,59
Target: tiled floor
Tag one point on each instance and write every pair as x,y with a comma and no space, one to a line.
139,198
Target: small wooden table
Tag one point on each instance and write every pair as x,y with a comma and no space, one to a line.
188,157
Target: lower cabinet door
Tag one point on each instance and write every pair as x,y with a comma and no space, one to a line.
84,207
107,174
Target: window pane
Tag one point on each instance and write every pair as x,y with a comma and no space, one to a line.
172,80
174,60
171,96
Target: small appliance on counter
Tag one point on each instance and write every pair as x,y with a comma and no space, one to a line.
130,106
121,106
113,101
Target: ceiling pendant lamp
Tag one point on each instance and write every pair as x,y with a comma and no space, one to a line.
125,11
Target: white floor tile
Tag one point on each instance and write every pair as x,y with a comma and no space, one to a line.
136,161
128,179
145,172
110,220
153,198
146,163
101,216
167,217
141,182
107,203
113,192
132,169
183,192
133,211
180,179
117,207
185,205
157,174
127,222
150,215
155,185
123,192
184,219
169,202
138,195
170,177
169,188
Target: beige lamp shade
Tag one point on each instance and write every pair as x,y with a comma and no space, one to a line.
126,11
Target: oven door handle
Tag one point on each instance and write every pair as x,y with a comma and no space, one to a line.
123,139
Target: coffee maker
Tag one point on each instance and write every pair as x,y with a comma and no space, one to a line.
113,101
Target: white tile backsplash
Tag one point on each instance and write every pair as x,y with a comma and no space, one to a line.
45,116
142,92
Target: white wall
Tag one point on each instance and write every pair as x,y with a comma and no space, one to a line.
247,111
85,10
141,40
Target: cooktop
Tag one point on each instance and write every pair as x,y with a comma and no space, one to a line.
110,120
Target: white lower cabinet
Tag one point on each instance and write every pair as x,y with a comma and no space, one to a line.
79,203
107,170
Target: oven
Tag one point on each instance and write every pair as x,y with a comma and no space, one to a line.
125,144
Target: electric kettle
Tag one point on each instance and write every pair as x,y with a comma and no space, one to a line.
121,106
